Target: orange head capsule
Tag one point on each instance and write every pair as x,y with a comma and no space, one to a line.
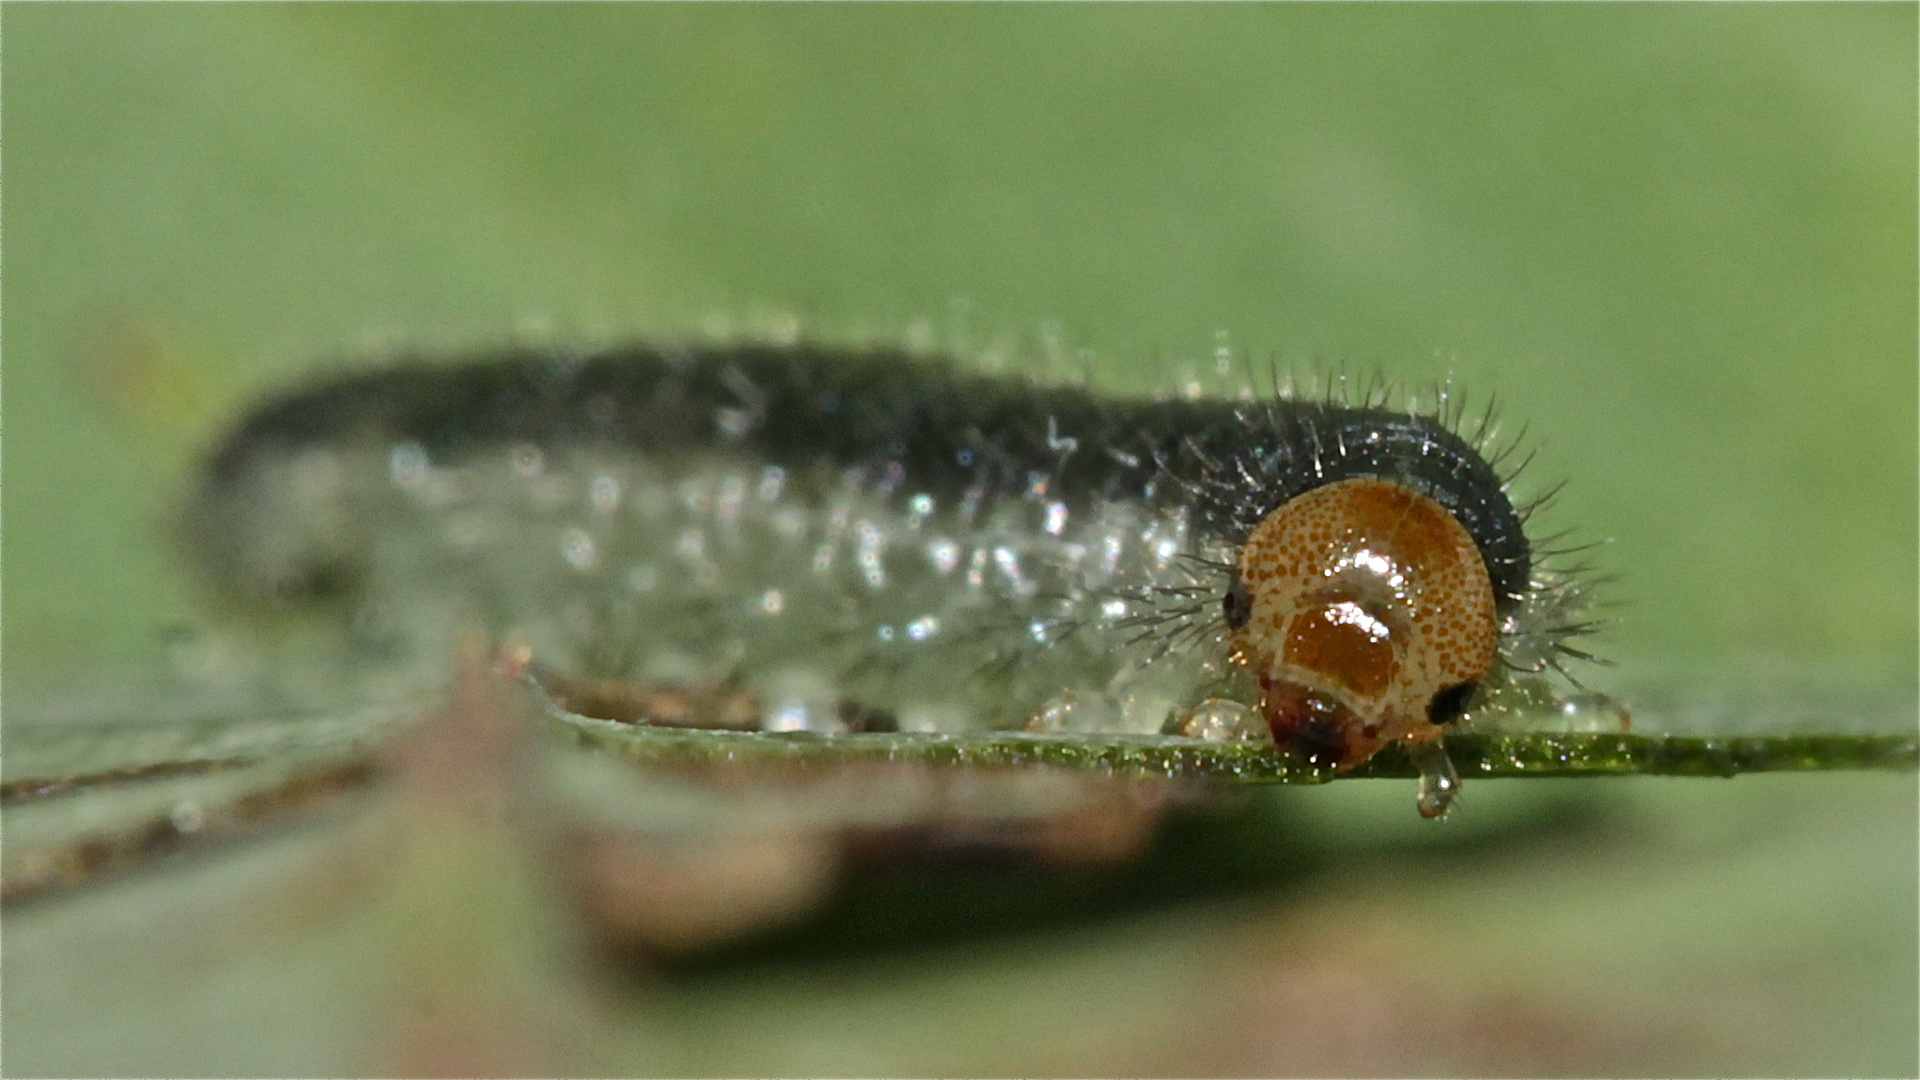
1364,611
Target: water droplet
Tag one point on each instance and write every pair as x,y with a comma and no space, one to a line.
1595,712
1008,561
1056,518
527,460
407,464
771,602
788,716
733,423
1439,783
771,481
578,548
1221,720
923,628
1071,711
944,554
1055,715
868,546
604,494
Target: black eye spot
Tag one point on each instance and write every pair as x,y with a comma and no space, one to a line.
1448,704
1237,604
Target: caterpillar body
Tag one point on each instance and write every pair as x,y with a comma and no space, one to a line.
853,534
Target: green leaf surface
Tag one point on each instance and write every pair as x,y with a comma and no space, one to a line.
1530,754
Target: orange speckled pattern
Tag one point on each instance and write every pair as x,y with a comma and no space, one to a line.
1367,599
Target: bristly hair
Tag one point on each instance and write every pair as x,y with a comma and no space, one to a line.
1445,446
278,515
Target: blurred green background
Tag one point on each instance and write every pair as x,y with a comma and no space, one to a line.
1677,241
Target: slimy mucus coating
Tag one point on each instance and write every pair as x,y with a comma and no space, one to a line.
834,532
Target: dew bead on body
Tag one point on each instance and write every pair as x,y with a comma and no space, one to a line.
881,527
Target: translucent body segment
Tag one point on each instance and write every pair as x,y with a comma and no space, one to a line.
668,581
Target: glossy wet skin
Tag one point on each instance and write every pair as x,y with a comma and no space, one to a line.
1364,611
